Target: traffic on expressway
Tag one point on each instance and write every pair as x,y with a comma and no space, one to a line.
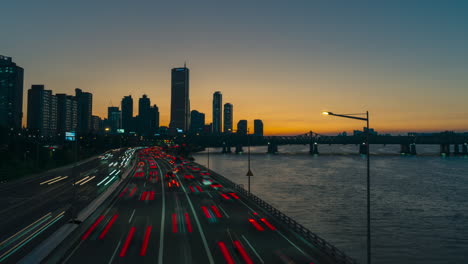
174,211
163,209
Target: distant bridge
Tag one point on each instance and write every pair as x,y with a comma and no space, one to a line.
407,143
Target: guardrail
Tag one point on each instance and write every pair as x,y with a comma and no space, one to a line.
311,237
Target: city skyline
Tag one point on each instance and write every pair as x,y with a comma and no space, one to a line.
409,74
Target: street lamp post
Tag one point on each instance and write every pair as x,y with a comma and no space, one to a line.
249,172
352,116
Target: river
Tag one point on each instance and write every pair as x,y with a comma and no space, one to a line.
419,204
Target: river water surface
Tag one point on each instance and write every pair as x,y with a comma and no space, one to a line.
419,205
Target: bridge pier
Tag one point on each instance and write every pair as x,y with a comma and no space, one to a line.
456,149
413,149
363,149
445,149
465,149
272,149
239,149
226,149
313,149
404,149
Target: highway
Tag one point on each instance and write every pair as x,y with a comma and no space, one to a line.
33,208
189,216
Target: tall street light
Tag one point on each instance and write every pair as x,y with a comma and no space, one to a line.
352,116
249,172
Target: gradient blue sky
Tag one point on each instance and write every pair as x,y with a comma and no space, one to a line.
281,61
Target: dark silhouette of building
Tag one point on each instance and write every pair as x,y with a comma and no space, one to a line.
85,110
113,118
11,93
42,111
208,129
97,124
258,127
228,117
180,101
67,113
197,121
154,119
127,114
217,114
242,127
144,116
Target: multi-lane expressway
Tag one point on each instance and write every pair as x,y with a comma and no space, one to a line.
32,208
175,212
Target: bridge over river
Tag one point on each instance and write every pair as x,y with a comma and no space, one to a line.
408,143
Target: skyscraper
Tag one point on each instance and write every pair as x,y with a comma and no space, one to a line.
42,111
258,127
67,109
113,118
11,93
127,113
97,124
228,117
154,119
85,110
242,127
197,121
144,119
217,114
180,101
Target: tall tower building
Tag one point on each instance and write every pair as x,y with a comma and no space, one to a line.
217,114
11,93
242,127
127,113
228,117
42,111
180,101
197,121
85,110
258,127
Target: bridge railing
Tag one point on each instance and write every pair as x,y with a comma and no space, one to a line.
311,237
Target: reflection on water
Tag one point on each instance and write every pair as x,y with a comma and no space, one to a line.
419,204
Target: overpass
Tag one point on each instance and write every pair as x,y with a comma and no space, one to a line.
408,144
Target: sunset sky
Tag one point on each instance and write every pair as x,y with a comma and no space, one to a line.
285,62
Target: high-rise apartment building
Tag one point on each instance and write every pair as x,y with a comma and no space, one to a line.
42,111
197,121
242,127
127,114
11,93
228,117
258,127
85,110
180,101
67,113
113,118
217,112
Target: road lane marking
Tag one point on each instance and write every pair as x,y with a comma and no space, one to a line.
219,206
251,247
83,179
163,214
44,182
131,217
290,242
17,233
31,237
113,254
88,180
208,252
57,180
